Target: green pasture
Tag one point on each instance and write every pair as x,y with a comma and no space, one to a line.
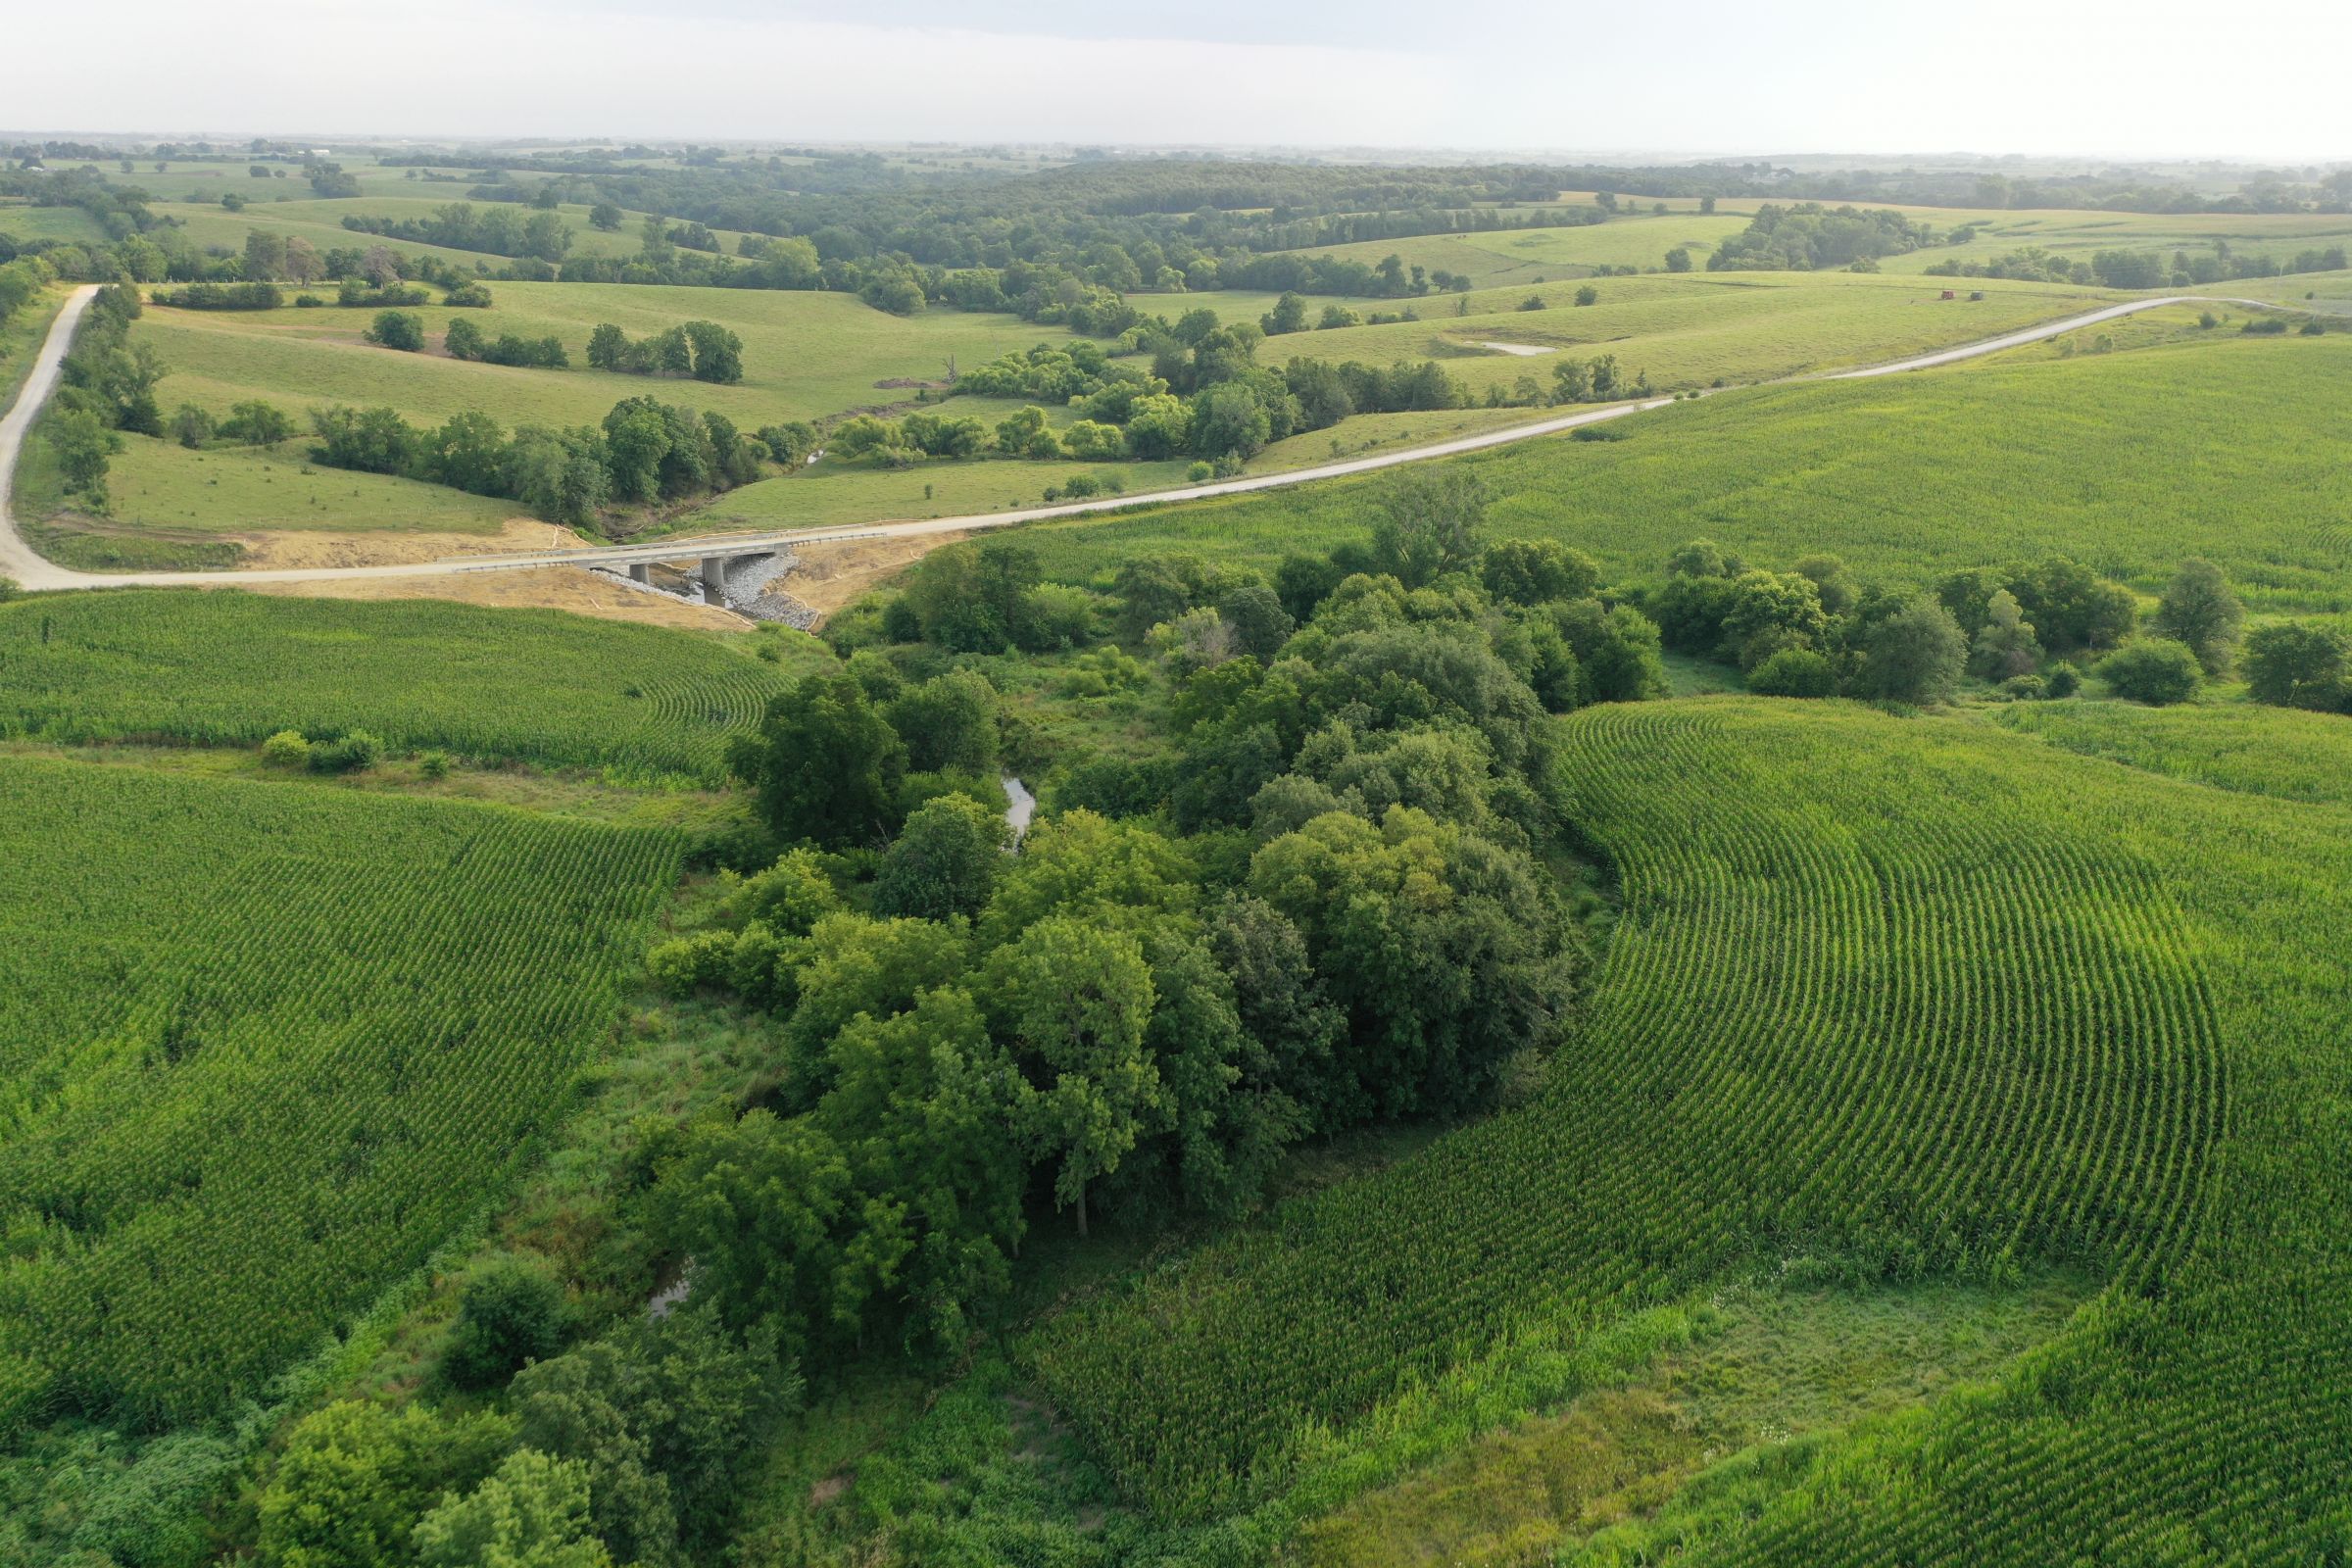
22,220
2223,447
805,354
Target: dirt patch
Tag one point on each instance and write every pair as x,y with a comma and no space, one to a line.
830,575
310,546
827,1490
908,384
571,588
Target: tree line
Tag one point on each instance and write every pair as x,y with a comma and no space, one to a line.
645,452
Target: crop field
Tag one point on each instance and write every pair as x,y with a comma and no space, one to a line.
320,222
1507,256
225,668
1697,331
1810,1039
2279,751
2128,461
287,1041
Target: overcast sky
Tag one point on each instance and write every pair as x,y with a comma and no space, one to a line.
1697,75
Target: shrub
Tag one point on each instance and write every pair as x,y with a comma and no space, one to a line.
354,751
433,764
397,330
1793,672
2155,671
2025,688
2293,664
1200,473
470,295
509,1314
2063,680
286,749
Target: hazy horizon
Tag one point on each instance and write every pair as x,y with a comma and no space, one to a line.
1713,80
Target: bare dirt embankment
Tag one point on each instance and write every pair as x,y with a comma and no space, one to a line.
272,547
583,593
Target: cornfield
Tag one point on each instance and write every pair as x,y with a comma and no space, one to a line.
1926,997
262,1046
490,685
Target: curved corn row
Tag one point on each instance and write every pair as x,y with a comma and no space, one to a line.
1867,995
261,1049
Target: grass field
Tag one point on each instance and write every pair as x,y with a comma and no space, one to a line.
287,1041
1809,1042
1510,257
493,685
320,222
1697,331
2127,461
2285,753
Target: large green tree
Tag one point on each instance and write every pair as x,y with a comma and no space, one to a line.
823,765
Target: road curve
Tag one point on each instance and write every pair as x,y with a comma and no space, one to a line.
18,560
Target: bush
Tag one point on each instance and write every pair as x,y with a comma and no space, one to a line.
1793,672
2025,688
2155,671
286,749
354,751
1200,473
470,296
2295,665
433,764
397,330
509,1314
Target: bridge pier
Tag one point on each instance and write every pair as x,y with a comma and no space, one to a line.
714,578
641,572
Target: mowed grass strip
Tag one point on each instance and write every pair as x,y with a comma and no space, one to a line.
262,1047
2224,448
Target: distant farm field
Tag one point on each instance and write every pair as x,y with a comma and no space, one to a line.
2225,446
1696,330
288,1041
492,685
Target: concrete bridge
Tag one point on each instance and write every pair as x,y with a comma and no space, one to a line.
713,558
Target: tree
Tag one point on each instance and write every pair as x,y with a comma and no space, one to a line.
2299,665
606,217
2155,671
1256,618
717,353
507,1314
464,340
1771,611
1230,420
1793,672
1430,521
1588,294
191,426
2005,644
1289,314
355,1478
1678,259
944,861
764,1206
530,1512
1077,998
255,424
608,347
1916,655
823,765
2199,610
1537,571
949,723
397,330
82,445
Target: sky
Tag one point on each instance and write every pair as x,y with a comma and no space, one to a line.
2088,77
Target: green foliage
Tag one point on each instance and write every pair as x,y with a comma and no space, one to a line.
2155,671
2299,665
355,1479
2199,610
530,1512
1793,672
508,1313
397,330
944,861
823,763
1914,656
